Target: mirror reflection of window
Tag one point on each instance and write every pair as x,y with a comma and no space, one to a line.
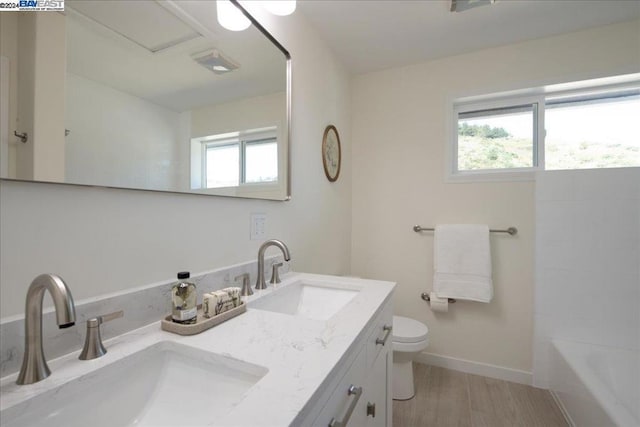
222,165
261,161
240,158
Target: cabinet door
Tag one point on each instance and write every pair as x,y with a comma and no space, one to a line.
378,393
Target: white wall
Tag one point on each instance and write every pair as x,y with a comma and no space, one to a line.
120,140
245,114
41,61
9,50
33,44
5,65
102,240
399,144
587,260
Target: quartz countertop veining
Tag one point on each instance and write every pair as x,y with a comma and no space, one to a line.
298,353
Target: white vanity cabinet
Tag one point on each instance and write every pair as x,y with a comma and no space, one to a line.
359,395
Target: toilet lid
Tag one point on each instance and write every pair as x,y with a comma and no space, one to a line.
408,330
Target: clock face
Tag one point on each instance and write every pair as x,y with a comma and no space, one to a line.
331,153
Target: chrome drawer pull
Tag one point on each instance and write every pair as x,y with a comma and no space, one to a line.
352,390
387,331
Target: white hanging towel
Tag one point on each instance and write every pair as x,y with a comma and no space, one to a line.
462,262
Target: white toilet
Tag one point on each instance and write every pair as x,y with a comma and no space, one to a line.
410,337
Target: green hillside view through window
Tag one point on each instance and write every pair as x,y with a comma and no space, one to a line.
586,135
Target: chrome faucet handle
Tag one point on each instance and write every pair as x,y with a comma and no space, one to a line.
275,277
246,288
93,347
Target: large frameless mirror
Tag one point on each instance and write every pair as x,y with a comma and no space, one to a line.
150,95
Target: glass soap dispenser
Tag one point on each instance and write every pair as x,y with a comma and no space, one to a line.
184,308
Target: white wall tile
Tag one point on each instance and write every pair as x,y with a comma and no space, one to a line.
555,185
587,260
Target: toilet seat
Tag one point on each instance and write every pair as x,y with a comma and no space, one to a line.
408,331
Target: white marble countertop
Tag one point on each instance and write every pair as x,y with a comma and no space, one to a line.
299,353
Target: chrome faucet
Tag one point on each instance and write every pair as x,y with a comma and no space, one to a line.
34,366
260,283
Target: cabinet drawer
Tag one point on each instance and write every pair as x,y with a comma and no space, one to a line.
380,336
338,405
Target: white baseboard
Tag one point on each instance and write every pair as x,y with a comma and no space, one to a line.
476,368
564,411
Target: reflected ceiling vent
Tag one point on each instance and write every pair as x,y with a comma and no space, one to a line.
214,60
462,5
147,23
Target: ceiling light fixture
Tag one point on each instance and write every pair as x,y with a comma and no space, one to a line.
462,5
214,60
230,17
280,7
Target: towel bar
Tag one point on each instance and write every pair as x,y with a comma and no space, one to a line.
511,230
425,296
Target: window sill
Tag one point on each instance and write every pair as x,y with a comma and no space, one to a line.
491,176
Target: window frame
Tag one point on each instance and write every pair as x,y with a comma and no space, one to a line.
510,174
496,104
601,87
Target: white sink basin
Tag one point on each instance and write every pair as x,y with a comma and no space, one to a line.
318,302
167,384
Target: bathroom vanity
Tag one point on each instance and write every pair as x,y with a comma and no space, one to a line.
314,350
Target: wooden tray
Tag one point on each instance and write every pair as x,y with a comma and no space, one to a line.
202,323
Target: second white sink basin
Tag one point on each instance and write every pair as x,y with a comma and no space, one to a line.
318,302
167,384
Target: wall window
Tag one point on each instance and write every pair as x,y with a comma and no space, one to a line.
596,131
582,129
498,138
239,158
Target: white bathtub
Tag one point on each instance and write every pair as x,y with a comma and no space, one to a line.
596,385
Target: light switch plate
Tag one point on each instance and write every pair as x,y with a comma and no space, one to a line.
258,228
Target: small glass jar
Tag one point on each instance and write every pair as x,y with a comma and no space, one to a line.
184,307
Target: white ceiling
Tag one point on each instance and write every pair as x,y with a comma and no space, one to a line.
371,35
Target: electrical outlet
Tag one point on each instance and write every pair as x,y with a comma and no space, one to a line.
258,228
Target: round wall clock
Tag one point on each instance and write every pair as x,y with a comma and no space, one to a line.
331,153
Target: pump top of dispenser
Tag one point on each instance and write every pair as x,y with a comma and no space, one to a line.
184,275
